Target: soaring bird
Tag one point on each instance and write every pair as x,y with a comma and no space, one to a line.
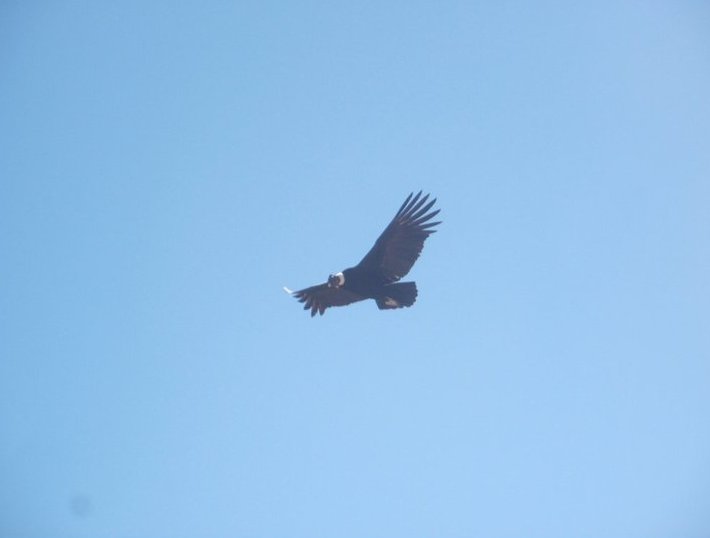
376,276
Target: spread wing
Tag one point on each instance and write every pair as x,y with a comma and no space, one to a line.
399,246
320,297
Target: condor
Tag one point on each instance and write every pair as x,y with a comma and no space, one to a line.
376,276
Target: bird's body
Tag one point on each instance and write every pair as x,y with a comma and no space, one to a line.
371,285
362,282
376,276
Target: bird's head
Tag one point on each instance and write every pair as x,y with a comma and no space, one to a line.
336,280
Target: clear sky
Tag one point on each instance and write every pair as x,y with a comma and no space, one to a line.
166,167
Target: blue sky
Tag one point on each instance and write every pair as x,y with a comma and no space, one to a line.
168,166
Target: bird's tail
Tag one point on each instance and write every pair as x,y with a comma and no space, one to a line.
397,295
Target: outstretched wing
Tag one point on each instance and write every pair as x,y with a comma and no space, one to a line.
318,298
399,246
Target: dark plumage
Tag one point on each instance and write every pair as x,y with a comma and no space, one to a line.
376,276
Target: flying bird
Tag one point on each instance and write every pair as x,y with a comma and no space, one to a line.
376,276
